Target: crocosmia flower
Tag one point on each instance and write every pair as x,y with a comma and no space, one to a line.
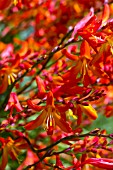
13,103
49,117
7,77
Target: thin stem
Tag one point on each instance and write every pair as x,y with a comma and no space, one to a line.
48,56
73,137
48,149
54,62
40,160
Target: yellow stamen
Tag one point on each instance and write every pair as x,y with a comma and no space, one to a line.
9,80
15,2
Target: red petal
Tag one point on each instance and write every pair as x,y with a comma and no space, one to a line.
50,99
58,162
79,115
4,159
4,83
34,106
31,158
4,4
82,23
100,163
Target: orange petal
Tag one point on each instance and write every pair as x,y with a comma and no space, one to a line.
58,80
99,72
106,13
89,111
3,83
4,159
61,123
69,55
85,50
83,22
37,122
34,106
50,99
40,84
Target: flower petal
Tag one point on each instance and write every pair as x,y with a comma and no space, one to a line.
106,13
50,99
4,4
37,122
89,111
4,159
61,123
3,82
82,22
40,84
34,106
100,163
69,55
85,50
59,162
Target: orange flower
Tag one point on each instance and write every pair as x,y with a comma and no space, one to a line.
82,63
7,77
86,66
12,148
49,117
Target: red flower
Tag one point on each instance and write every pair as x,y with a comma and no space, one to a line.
13,103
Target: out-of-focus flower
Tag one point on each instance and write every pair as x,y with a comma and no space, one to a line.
58,162
104,163
4,4
106,14
13,103
12,148
31,158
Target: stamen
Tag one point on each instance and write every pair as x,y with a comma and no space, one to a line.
9,80
14,75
